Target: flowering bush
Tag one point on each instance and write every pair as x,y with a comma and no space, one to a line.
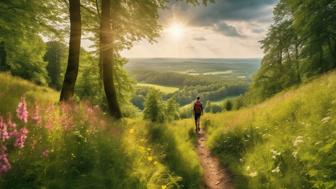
9,130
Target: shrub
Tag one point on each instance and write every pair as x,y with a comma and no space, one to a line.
154,107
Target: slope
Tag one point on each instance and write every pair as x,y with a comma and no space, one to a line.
289,141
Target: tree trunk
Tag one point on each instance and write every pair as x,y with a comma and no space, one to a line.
106,48
3,58
71,73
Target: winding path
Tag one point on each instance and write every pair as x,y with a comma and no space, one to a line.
215,177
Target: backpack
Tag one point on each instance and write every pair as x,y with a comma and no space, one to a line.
198,107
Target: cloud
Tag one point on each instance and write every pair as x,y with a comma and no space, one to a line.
199,39
217,15
227,29
258,30
234,10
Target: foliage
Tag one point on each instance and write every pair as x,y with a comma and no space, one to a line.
300,44
172,111
34,17
55,56
228,105
154,107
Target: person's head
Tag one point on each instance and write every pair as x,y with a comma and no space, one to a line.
198,98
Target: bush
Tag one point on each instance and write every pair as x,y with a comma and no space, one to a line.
154,107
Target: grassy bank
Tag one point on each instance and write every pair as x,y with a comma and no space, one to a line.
286,142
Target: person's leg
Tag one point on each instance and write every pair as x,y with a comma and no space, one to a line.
198,124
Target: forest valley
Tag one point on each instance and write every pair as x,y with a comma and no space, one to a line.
73,117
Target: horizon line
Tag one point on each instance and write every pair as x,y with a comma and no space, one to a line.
189,58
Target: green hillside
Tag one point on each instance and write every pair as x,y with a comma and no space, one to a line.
79,146
288,141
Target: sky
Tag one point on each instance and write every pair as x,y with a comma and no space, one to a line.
224,29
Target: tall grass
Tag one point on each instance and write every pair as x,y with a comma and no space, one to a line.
176,144
286,142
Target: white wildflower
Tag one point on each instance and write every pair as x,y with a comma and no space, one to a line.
276,170
275,153
298,141
326,119
317,143
295,154
253,174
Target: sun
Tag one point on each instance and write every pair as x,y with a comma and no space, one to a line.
176,30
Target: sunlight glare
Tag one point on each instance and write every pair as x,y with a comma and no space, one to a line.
176,30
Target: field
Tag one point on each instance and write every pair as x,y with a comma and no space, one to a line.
225,68
185,79
163,89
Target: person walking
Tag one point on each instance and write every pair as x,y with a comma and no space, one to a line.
198,112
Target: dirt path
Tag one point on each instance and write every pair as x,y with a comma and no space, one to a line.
215,177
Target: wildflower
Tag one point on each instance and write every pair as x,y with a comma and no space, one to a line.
298,141
5,165
253,174
21,111
163,186
89,110
326,119
4,135
131,131
149,158
275,154
276,170
11,127
295,154
45,153
36,115
21,137
247,168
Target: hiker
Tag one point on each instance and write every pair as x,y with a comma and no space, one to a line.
198,111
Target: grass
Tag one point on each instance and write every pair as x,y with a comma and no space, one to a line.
13,88
78,146
286,142
163,89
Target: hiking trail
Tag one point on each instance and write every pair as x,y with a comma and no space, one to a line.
215,177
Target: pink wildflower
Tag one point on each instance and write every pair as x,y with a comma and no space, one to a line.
45,153
11,127
21,137
5,165
36,115
21,111
4,135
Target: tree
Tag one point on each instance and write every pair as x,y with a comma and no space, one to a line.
3,58
55,56
172,112
228,105
22,22
106,47
71,73
122,23
154,107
